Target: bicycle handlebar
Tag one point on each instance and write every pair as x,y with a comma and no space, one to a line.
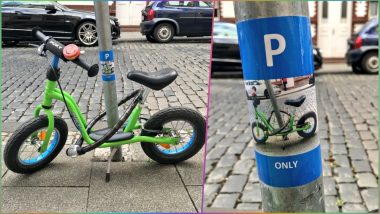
56,48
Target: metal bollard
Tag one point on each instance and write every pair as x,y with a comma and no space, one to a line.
276,51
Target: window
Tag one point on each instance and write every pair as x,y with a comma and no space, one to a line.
344,10
373,9
35,5
205,4
325,9
180,3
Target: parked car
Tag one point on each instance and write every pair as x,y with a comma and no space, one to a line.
363,49
260,90
162,20
56,20
226,53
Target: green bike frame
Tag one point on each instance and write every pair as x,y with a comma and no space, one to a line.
52,93
270,129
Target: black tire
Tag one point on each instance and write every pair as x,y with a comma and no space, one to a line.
161,118
266,93
163,33
9,43
80,29
150,38
370,63
301,122
356,69
260,126
11,150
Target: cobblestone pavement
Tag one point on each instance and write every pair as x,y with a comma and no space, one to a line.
22,90
348,118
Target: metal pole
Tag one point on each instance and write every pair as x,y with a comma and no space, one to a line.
275,42
273,100
103,28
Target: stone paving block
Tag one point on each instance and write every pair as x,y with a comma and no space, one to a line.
329,186
373,156
338,149
370,145
366,180
341,160
227,161
243,167
210,191
236,148
357,154
218,175
254,177
354,208
249,207
216,153
235,183
344,175
134,182
371,198
62,171
58,199
226,201
252,193
349,193
330,204
361,166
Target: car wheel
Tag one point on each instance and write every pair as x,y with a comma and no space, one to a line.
9,43
163,33
370,63
150,38
86,33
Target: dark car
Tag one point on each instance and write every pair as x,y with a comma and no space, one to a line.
226,53
56,20
363,49
162,20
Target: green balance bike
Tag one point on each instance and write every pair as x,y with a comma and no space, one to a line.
264,127
170,136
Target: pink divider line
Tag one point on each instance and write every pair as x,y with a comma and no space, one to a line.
208,109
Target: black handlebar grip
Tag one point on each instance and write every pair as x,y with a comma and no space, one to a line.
37,33
91,70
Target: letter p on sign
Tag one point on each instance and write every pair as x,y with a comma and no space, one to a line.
269,52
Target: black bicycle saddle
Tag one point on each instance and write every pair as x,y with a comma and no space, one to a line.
296,102
156,80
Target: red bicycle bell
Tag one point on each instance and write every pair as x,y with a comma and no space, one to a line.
71,52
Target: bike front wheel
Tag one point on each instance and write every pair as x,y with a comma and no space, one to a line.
259,132
185,124
22,151
309,119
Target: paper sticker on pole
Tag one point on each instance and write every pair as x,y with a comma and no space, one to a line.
275,47
106,60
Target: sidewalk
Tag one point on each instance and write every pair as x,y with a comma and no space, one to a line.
78,184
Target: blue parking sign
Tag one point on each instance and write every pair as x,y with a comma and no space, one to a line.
275,47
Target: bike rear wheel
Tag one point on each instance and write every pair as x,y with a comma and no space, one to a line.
186,124
259,132
21,153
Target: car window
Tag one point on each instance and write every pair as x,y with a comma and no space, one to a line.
205,4
225,31
36,5
180,3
